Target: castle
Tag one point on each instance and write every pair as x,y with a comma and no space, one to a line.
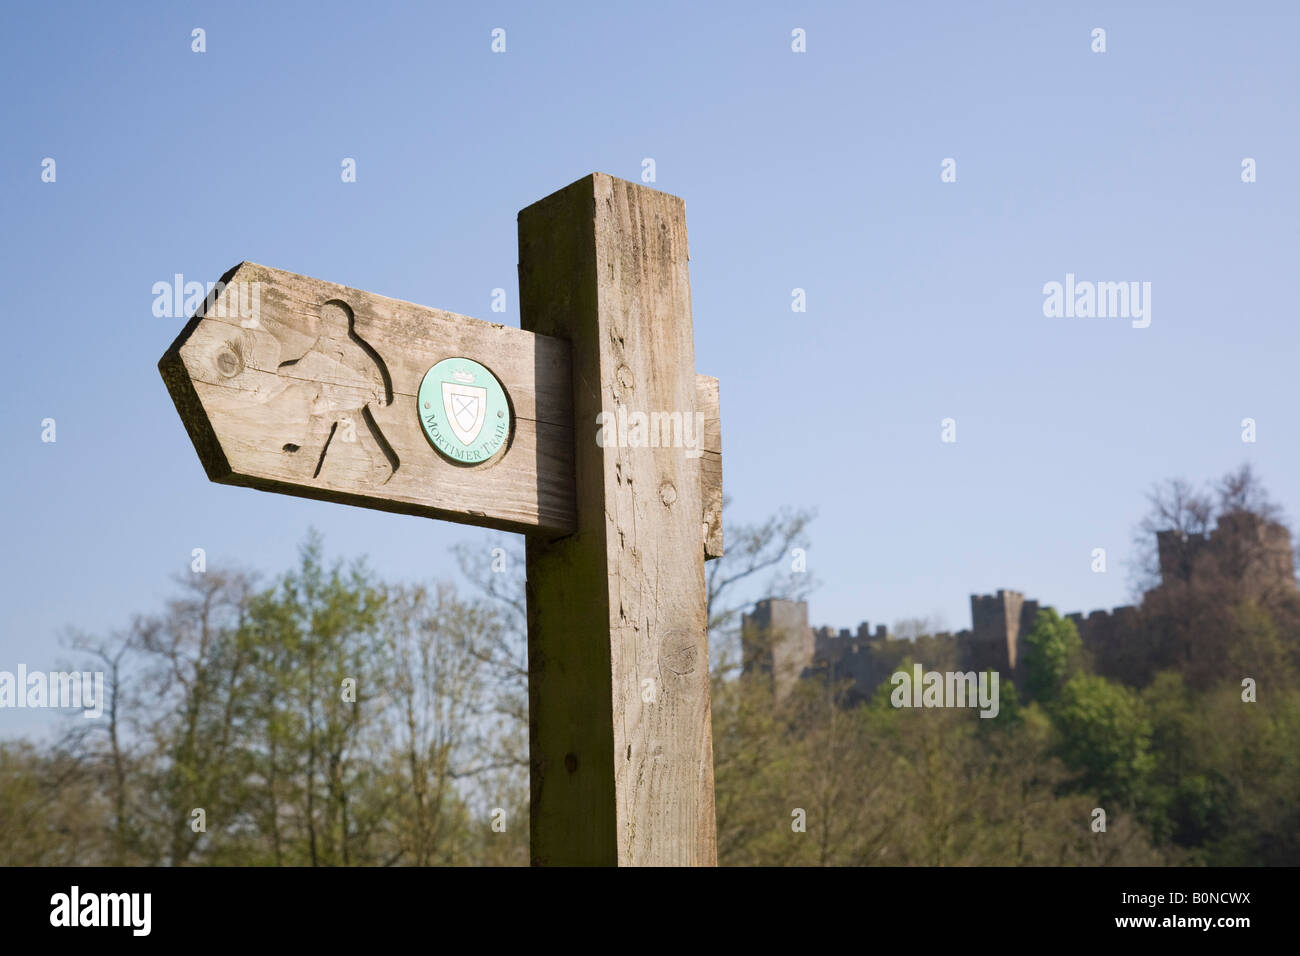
777,640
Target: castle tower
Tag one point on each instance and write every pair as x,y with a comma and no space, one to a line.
1243,547
777,641
998,622
1256,551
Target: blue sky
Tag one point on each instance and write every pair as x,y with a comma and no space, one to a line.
818,171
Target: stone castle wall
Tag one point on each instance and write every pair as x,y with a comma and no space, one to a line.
780,642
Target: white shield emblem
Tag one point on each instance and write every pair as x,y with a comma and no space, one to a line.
466,407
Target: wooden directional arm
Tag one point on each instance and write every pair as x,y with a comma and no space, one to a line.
304,387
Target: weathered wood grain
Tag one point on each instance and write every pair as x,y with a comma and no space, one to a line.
707,401
315,396
619,726
270,401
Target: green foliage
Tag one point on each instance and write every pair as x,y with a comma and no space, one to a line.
331,718
1052,655
1104,736
887,786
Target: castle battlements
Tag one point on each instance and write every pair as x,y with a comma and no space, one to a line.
832,645
1119,615
1254,551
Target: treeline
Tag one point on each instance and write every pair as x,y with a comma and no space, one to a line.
331,718
1183,776
1194,759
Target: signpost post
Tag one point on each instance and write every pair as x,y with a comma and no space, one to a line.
588,431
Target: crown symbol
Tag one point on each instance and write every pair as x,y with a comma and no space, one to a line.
462,376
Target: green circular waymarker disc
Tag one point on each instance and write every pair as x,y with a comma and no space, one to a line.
464,411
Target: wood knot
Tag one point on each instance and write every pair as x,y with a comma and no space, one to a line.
667,494
678,652
571,762
229,361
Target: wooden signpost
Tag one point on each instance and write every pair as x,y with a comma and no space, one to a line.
304,387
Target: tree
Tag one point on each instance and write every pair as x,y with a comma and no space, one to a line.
1053,653
1203,557
439,731
317,667
192,669
750,550
1104,736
